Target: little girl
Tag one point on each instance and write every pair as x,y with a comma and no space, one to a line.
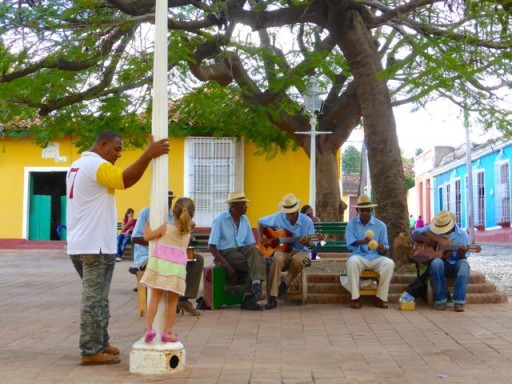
166,269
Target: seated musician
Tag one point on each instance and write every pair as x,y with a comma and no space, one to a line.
290,221
233,246
367,239
443,230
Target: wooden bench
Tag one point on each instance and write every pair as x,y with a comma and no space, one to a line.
336,243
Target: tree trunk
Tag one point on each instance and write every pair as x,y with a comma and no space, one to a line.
386,169
328,199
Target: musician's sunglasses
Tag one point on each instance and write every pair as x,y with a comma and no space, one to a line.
365,209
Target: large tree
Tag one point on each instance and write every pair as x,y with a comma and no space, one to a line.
87,63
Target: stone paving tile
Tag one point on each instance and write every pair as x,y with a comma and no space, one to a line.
319,344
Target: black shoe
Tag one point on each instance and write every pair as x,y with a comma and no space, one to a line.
256,292
282,289
133,270
250,304
271,303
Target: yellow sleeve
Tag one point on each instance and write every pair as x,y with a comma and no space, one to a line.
110,177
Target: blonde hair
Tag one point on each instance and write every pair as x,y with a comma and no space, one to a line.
183,212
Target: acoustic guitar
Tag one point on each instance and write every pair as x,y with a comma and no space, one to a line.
281,240
442,249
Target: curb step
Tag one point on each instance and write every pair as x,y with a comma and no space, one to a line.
325,288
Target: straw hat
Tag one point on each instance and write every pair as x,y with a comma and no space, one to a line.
289,204
364,201
236,197
443,223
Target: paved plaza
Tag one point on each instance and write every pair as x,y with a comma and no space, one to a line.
39,330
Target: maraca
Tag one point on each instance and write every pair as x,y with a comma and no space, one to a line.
369,234
373,245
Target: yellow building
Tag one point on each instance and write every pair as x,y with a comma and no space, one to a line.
32,186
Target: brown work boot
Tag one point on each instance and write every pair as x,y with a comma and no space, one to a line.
187,307
101,358
458,307
111,350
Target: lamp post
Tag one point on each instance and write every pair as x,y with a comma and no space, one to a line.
313,105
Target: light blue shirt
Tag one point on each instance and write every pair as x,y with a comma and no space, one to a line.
225,235
140,252
457,237
356,231
303,227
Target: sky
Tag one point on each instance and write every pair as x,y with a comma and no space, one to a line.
425,128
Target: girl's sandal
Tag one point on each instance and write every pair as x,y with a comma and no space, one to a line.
149,335
169,337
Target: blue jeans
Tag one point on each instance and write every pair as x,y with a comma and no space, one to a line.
96,273
440,269
122,240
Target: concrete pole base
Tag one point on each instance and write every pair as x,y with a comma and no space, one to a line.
157,358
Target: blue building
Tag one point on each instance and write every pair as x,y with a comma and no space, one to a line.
490,164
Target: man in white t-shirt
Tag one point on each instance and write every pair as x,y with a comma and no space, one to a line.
92,229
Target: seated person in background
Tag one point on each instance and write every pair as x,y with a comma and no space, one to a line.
232,244
444,264
140,257
297,225
367,239
308,211
126,233
419,223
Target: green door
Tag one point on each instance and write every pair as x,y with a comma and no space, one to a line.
40,217
62,227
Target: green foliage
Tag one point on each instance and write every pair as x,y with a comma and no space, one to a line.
219,111
351,160
409,181
80,66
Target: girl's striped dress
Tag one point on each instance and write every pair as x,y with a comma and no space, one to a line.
167,264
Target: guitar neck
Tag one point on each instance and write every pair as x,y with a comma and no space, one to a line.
288,240
471,248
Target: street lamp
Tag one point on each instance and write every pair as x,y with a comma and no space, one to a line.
313,105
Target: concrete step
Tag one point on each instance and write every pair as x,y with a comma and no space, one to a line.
325,288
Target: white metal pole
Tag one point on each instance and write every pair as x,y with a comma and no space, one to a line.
159,130
470,205
312,164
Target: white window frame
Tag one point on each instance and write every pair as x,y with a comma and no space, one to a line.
213,168
502,187
479,198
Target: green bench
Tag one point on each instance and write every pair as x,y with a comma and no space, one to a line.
335,237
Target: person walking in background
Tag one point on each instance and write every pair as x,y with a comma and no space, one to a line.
367,239
92,228
308,211
412,222
140,257
419,223
166,268
125,236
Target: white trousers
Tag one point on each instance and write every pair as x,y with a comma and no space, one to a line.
357,264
